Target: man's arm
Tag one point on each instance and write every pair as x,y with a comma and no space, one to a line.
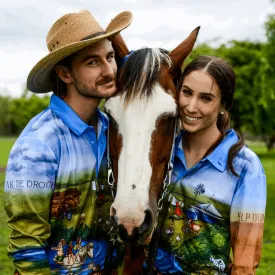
29,183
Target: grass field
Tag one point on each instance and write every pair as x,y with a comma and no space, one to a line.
267,265
5,147
5,262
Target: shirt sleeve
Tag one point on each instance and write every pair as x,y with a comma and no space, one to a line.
247,224
29,184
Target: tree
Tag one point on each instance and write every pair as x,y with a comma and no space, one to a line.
266,112
246,59
6,126
23,109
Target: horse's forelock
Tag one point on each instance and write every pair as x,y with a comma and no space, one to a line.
140,72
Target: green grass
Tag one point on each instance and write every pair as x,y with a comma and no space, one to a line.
6,266
267,265
5,147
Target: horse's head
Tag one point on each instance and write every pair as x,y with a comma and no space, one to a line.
142,122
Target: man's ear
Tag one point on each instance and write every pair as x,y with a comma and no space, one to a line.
64,74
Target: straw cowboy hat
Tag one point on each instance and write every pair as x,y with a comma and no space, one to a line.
69,34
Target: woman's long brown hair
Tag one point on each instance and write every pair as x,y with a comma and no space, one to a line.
224,76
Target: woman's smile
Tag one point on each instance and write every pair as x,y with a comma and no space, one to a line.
191,118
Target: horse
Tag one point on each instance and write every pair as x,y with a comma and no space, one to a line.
143,115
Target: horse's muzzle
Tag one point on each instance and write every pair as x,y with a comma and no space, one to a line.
134,235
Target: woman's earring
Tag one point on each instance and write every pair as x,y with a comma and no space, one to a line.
222,112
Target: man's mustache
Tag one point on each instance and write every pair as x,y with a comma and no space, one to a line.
105,81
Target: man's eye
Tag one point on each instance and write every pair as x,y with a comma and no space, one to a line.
92,62
110,57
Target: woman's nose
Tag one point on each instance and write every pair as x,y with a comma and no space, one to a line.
192,105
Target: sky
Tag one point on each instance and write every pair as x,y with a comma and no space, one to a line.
24,25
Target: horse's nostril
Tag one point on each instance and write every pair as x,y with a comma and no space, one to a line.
147,223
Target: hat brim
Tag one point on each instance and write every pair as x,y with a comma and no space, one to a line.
40,77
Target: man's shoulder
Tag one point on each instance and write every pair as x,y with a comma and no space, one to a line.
43,126
41,129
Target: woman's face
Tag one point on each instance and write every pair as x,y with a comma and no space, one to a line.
200,102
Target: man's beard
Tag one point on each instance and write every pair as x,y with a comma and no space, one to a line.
85,91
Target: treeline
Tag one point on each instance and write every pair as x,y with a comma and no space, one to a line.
15,113
254,106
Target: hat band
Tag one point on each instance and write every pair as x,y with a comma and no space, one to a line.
93,35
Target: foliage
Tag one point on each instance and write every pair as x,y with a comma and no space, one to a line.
245,57
23,109
266,112
5,116
15,113
253,111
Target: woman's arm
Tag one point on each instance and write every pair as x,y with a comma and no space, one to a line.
247,224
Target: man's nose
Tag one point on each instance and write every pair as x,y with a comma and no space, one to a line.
109,69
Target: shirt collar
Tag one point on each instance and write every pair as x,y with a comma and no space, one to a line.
219,156
102,120
71,119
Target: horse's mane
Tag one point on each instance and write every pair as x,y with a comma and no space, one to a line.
140,72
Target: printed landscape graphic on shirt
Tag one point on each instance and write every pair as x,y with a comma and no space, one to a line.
197,231
77,251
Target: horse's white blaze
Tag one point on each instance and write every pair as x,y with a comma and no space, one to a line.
136,124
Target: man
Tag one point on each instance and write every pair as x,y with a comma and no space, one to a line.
55,165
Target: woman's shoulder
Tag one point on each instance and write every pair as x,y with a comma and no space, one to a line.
248,164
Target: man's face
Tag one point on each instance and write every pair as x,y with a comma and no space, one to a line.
93,71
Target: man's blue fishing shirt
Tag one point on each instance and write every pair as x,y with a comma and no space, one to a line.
56,194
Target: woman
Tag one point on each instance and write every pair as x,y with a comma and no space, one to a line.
218,192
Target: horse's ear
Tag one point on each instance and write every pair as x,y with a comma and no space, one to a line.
119,46
179,54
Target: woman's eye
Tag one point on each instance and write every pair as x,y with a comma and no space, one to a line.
186,92
206,98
